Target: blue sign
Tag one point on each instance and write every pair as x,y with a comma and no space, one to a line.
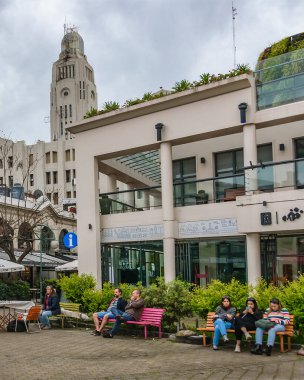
70,240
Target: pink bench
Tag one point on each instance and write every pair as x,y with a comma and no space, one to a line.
150,317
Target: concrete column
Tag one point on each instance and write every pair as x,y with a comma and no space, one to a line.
253,258
146,200
111,183
250,155
130,197
168,211
88,218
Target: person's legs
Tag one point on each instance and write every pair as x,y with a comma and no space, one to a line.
272,334
258,342
259,336
126,317
220,328
105,319
114,311
96,317
44,318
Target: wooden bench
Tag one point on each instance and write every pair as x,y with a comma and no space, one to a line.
150,317
231,194
288,332
73,307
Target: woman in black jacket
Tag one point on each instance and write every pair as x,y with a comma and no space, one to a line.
50,307
246,322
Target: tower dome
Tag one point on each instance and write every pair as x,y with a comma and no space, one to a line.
72,43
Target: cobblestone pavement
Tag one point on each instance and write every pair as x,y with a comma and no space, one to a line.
75,354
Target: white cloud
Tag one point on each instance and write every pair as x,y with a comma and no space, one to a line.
135,46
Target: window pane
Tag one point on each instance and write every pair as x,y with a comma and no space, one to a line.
224,163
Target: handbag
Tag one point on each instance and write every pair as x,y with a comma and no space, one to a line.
264,324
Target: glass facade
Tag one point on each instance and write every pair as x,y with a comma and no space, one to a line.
132,262
280,80
282,258
200,262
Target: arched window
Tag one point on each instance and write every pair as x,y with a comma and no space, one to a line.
46,236
25,234
61,237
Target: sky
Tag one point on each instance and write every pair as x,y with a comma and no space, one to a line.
134,46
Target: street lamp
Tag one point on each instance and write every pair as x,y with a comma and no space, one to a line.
40,274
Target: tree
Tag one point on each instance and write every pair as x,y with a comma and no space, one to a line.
21,214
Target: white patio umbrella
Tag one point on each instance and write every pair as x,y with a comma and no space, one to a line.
9,266
71,265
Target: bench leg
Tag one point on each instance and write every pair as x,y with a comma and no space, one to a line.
145,332
159,332
282,343
62,322
289,343
204,338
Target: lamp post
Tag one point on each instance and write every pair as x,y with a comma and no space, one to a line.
41,266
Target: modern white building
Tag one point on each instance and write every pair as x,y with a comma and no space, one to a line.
214,178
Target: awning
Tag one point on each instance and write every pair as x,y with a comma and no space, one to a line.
33,259
9,266
70,266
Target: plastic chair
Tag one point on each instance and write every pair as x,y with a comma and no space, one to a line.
28,317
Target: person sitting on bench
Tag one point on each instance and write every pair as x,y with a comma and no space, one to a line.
116,304
223,318
133,312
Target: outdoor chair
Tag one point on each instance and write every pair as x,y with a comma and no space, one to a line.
30,316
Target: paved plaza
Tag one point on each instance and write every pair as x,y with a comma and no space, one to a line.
75,354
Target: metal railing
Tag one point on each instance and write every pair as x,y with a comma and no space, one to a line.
265,177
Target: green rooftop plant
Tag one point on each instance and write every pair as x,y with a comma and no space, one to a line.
111,106
183,85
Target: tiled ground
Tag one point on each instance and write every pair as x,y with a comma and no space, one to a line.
75,354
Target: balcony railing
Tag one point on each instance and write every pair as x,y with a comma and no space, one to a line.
275,176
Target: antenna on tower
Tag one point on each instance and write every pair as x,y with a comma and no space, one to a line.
234,13
64,27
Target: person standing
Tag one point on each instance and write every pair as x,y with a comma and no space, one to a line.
133,312
50,307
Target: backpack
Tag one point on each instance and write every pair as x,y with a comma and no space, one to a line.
12,324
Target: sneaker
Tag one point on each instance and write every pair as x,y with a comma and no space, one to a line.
215,348
107,334
248,337
96,333
257,350
301,351
45,327
237,349
119,318
225,339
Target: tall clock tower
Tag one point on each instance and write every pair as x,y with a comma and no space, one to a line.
73,91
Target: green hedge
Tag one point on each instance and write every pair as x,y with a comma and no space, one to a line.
14,290
182,299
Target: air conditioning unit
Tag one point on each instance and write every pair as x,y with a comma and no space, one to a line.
74,182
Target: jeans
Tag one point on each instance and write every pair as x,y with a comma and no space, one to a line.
220,328
271,334
44,317
125,316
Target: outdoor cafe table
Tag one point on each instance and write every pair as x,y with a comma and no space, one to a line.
8,310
